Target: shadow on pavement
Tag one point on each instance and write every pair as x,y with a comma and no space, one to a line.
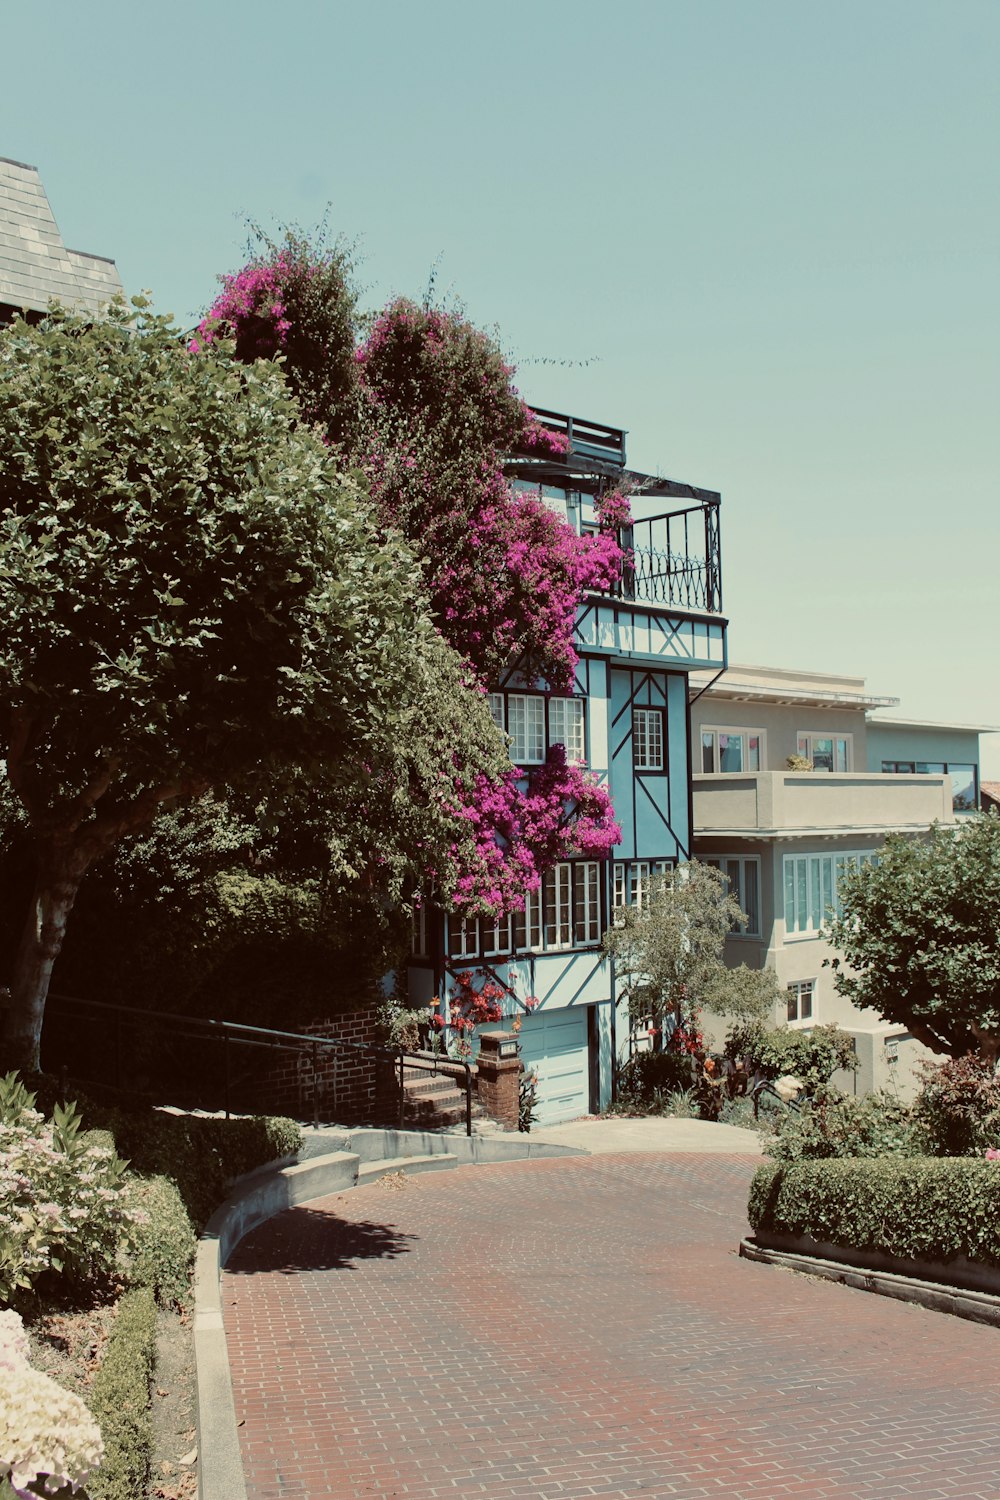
309,1239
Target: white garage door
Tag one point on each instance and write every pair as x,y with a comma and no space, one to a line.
554,1045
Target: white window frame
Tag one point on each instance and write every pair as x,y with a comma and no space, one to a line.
801,1002
564,912
586,902
526,727
806,738
463,936
496,707
631,879
735,731
810,888
649,734
568,727
743,874
498,936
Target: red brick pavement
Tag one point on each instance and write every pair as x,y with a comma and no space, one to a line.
561,1329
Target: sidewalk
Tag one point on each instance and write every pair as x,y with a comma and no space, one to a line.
600,1135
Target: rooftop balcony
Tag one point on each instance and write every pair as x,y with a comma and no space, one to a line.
797,804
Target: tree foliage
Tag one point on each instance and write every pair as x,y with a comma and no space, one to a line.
920,936
668,951
195,595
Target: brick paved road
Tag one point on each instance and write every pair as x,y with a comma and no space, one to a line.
552,1330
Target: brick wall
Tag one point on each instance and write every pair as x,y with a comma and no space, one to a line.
346,1081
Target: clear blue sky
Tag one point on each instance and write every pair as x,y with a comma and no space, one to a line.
770,227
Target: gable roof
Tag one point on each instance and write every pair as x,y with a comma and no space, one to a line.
35,265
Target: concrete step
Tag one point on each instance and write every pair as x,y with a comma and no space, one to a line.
426,1087
438,1118
371,1171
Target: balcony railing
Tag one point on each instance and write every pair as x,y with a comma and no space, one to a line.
675,559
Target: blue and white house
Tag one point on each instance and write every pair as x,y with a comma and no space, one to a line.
628,721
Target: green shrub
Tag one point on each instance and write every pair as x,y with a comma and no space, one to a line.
648,1078
160,1246
201,1153
838,1125
120,1401
930,1208
813,1055
958,1106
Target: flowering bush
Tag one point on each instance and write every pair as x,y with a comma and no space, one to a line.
61,1205
48,1439
958,1106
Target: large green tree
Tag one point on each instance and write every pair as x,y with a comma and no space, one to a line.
195,596
919,937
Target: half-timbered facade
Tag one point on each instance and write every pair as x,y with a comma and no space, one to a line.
627,720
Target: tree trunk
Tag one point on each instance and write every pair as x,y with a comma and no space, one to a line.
59,875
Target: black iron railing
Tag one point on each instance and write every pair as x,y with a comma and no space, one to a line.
675,559
107,1053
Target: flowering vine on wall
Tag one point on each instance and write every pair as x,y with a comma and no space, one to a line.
425,408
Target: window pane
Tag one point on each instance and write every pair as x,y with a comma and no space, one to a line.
804,748
730,752
931,767
842,756
751,900
708,752
822,754
805,1002
801,894
963,787
790,895
753,753
793,1006
496,709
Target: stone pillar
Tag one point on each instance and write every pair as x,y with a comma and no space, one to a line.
498,1070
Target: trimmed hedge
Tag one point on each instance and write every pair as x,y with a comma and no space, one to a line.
202,1154
120,1399
162,1249
913,1208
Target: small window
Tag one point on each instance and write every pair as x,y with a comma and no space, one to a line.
495,701
647,739
586,902
801,1000
526,727
567,718
418,932
731,750
463,936
633,879
828,752
497,935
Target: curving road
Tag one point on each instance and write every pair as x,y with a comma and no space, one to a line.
583,1327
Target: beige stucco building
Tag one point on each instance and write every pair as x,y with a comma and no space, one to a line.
785,836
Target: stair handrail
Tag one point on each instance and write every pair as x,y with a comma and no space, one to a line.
266,1036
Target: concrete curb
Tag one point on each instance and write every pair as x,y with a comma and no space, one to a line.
255,1198
330,1164
978,1307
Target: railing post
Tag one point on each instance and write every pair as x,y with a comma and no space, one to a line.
315,1063
468,1099
402,1096
226,1074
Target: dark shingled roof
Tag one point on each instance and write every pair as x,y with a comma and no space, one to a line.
35,265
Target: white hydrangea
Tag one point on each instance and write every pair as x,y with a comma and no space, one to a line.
44,1430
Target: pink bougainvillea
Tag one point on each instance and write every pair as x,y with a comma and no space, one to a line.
426,409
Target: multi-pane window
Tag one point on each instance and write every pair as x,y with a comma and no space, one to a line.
828,752
812,883
463,936
526,727
566,727
633,879
497,935
647,739
801,1000
731,750
743,874
964,778
586,902
523,715
565,912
